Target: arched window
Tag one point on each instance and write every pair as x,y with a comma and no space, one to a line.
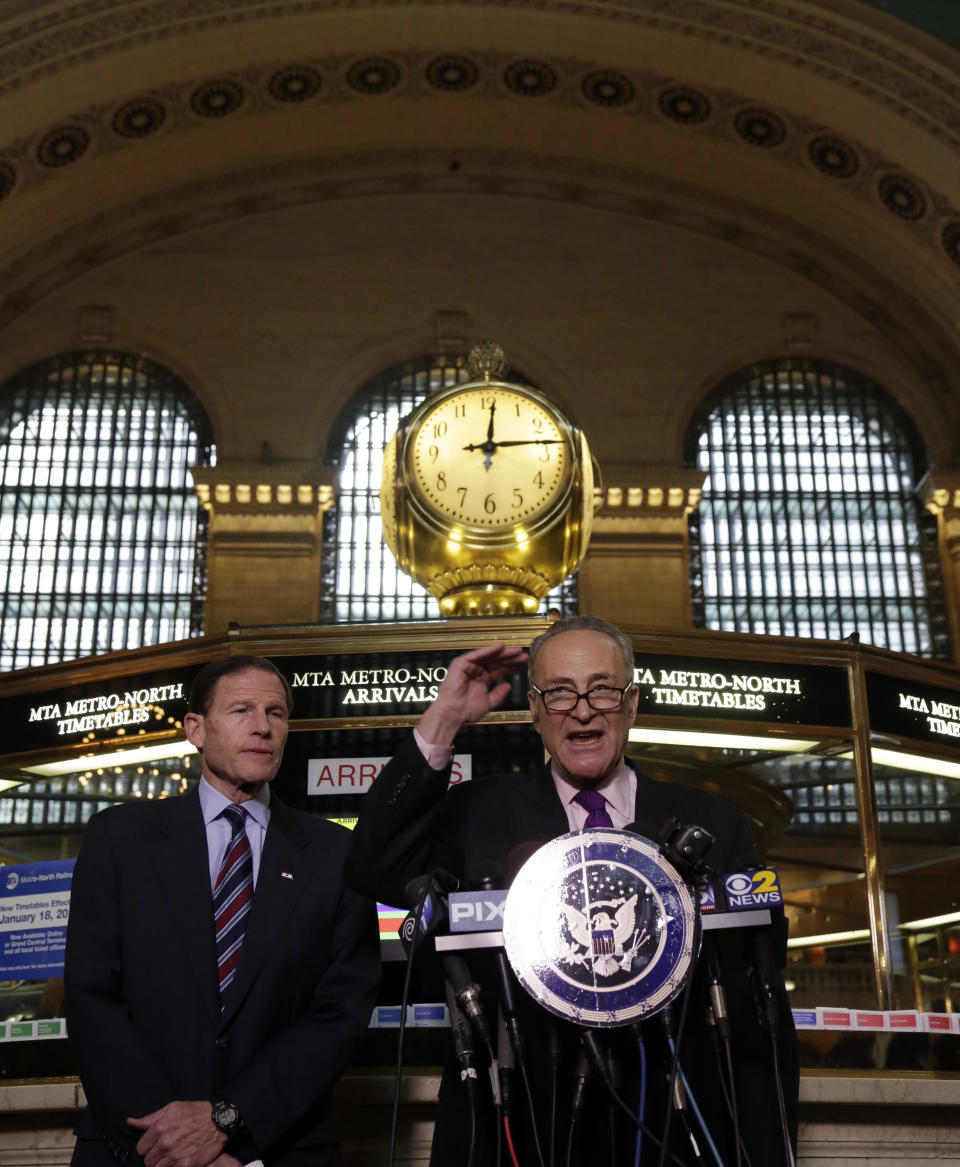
361,580
810,524
102,541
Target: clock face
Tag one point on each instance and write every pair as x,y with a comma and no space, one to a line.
489,457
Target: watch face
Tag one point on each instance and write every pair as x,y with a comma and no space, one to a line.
489,457
226,1117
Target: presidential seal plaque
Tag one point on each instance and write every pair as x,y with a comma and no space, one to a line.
600,928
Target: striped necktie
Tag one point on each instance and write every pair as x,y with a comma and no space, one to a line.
232,897
594,802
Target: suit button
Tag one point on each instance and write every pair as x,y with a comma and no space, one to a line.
221,1043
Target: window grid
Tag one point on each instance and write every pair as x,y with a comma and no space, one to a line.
361,580
809,523
102,541
824,792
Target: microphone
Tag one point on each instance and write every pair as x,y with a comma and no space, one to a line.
764,979
462,1039
516,859
686,846
718,996
646,830
427,894
507,1068
489,877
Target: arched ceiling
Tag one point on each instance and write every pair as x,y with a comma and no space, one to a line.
939,18
819,138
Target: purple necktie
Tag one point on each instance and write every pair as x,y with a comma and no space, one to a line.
594,802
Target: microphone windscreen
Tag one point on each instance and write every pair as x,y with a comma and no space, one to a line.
519,855
487,876
646,830
416,889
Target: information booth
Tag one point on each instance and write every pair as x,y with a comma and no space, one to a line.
845,758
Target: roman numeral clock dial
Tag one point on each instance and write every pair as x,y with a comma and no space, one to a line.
487,495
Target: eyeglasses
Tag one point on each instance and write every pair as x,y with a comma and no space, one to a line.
603,698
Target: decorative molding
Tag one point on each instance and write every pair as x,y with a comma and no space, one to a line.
848,53
939,491
657,492
165,213
789,138
265,488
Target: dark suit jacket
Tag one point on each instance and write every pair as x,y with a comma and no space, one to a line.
142,1002
410,824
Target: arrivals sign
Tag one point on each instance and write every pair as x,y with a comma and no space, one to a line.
326,776
908,709
403,683
671,686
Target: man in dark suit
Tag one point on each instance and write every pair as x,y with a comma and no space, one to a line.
582,702
196,1047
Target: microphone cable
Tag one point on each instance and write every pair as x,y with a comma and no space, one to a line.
581,1076
507,1072
696,1110
718,1023
642,1101
553,1051
674,1067
463,1045
414,928
595,1055
767,999
488,877
723,1058
509,1137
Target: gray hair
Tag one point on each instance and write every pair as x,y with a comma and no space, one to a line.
582,624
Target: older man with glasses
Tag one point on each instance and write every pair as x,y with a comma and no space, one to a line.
582,703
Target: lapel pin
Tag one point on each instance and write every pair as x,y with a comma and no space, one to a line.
286,875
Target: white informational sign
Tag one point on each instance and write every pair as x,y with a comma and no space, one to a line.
357,775
34,908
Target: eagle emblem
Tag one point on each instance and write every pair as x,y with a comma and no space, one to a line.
608,936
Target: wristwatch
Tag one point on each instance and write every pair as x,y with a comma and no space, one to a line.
226,1117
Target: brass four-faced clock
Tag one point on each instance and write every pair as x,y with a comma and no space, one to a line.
487,493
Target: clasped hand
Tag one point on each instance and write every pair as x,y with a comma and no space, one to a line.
182,1134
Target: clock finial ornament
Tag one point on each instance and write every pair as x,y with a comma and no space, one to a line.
487,493
486,361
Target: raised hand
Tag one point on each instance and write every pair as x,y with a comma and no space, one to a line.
473,686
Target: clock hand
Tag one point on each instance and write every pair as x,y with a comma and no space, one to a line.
489,445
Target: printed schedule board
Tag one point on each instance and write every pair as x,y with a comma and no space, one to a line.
34,908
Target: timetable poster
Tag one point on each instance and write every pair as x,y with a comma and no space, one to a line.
34,908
